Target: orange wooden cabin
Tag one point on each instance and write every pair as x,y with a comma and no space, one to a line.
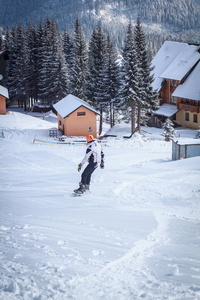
76,117
3,97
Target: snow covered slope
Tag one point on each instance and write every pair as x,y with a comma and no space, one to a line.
136,236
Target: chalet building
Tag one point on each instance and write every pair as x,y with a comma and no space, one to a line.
76,117
177,78
3,97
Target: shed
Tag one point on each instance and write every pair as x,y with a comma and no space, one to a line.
3,97
185,149
76,117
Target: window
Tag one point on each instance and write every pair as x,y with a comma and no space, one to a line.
195,118
81,113
187,116
173,83
173,99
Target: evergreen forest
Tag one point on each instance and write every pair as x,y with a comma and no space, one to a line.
162,19
98,50
45,65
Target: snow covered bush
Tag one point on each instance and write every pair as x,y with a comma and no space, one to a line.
169,131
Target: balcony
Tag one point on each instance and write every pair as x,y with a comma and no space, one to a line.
189,107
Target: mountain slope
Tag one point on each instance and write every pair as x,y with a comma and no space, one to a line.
178,19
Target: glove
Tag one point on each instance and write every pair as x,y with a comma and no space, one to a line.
79,167
102,165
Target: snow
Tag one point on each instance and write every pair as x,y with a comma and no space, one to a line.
69,104
4,92
166,110
190,89
165,56
187,141
174,61
135,236
183,63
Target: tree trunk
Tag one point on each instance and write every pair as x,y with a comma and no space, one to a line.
139,117
111,116
132,117
101,122
25,102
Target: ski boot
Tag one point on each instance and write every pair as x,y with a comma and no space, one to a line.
87,188
81,189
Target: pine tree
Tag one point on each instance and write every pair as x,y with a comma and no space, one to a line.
91,72
52,79
43,64
96,66
9,44
31,37
147,96
111,80
59,68
129,92
20,71
96,76
68,48
168,127
78,71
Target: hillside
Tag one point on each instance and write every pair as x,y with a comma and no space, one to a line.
135,236
178,20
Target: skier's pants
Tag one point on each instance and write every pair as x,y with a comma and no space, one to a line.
86,175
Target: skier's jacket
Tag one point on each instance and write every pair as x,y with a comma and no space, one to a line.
94,153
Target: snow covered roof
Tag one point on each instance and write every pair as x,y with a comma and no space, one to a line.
187,141
4,92
190,89
182,64
174,61
166,110
69,104
164,57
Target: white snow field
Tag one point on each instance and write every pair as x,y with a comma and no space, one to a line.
135,236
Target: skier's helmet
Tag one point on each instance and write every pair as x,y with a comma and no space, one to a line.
89,138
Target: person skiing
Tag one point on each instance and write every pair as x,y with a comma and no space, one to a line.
94,155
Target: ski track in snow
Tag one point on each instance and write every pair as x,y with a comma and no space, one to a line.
119,242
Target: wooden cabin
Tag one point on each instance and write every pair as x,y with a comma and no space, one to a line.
76,117
3,97
177,78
